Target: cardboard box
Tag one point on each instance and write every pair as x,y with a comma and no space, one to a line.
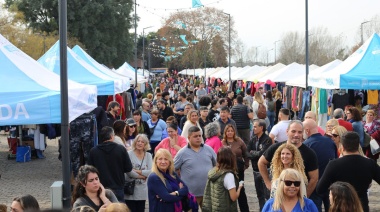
28,143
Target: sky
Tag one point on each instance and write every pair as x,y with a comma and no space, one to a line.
261,23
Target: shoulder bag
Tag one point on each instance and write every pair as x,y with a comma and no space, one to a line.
129,186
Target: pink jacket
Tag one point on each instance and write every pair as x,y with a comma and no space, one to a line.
215,143
165,144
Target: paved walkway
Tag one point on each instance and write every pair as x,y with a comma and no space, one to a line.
36,177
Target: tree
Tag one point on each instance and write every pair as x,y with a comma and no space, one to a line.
203,25
239,52
323,47
103,27
14,29
218,52
292,48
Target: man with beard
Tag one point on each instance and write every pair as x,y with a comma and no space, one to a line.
295,133
165,111
113,112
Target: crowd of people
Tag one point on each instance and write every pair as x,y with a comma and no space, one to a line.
187,147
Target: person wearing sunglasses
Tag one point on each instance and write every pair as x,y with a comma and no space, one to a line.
286,156
130,133
336,133
290,195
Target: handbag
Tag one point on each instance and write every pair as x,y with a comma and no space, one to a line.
189,202
367,139
375,148
152,129
129,186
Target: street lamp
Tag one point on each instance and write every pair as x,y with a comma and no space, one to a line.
144,48
361,30
275,51
267,56
229,50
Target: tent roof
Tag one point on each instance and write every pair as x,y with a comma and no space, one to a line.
284,74
87,58
30,94
300,81
270,69
79,71
315,78
366,73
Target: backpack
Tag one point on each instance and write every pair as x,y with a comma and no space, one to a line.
262,111
271,106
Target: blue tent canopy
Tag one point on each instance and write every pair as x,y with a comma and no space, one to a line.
30,94
87,58
78,70
366,73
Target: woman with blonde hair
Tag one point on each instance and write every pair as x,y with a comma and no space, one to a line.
192,120
286,156
291,194
141,161
330,124
337,133
257,100
165,188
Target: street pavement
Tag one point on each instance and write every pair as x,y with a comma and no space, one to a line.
36,177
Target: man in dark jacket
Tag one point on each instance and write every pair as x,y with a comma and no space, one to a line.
165,111
112,161
242,115
256,147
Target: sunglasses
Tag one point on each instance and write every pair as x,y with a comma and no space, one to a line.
132,126
295,183
335,135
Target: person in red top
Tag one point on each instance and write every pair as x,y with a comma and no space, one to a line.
339,114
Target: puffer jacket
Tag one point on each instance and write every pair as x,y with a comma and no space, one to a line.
216,198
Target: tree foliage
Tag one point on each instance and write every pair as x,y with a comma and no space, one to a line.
210,27
102,26
323,48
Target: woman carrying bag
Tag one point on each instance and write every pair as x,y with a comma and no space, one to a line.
142,165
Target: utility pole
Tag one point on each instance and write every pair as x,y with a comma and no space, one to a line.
135,45
229,50
144,48
361,30
256,52
275,51
268,55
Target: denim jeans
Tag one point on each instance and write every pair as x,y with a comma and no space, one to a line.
261,190
271,117
305,104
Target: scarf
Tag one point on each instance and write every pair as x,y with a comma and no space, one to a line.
175,186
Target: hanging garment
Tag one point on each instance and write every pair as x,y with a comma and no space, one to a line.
83,136
373,97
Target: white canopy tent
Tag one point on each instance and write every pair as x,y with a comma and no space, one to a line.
300,81
125,70
245,74
268,70
316,76
285,74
